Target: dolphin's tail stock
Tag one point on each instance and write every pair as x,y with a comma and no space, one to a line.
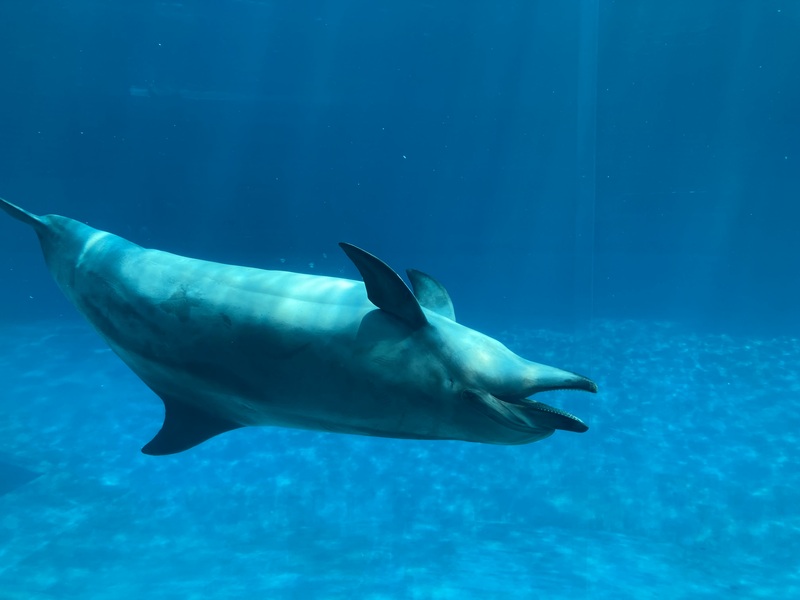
22,215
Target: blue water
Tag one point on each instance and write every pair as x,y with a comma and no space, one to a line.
684,487
608,187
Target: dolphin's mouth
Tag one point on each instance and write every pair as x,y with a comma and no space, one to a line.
541,415
524,414
544,415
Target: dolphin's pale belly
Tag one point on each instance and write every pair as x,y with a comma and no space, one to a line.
255,347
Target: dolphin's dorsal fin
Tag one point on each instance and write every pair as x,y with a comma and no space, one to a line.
431,294
385,288
185,427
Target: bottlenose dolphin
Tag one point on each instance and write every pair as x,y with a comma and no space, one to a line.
226,347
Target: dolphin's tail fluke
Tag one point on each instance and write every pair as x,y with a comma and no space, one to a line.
22,215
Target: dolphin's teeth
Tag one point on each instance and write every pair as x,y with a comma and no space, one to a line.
552,409
558,419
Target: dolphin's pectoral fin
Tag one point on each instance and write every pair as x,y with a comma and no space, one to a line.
185,427
431,294
385,288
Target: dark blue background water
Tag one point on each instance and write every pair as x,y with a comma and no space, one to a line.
559,166
527,153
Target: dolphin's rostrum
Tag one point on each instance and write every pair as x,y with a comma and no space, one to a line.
226,347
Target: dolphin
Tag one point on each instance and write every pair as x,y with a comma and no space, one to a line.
226,347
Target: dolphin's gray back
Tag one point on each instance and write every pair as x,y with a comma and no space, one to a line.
148,304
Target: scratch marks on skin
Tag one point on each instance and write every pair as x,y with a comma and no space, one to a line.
180,304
